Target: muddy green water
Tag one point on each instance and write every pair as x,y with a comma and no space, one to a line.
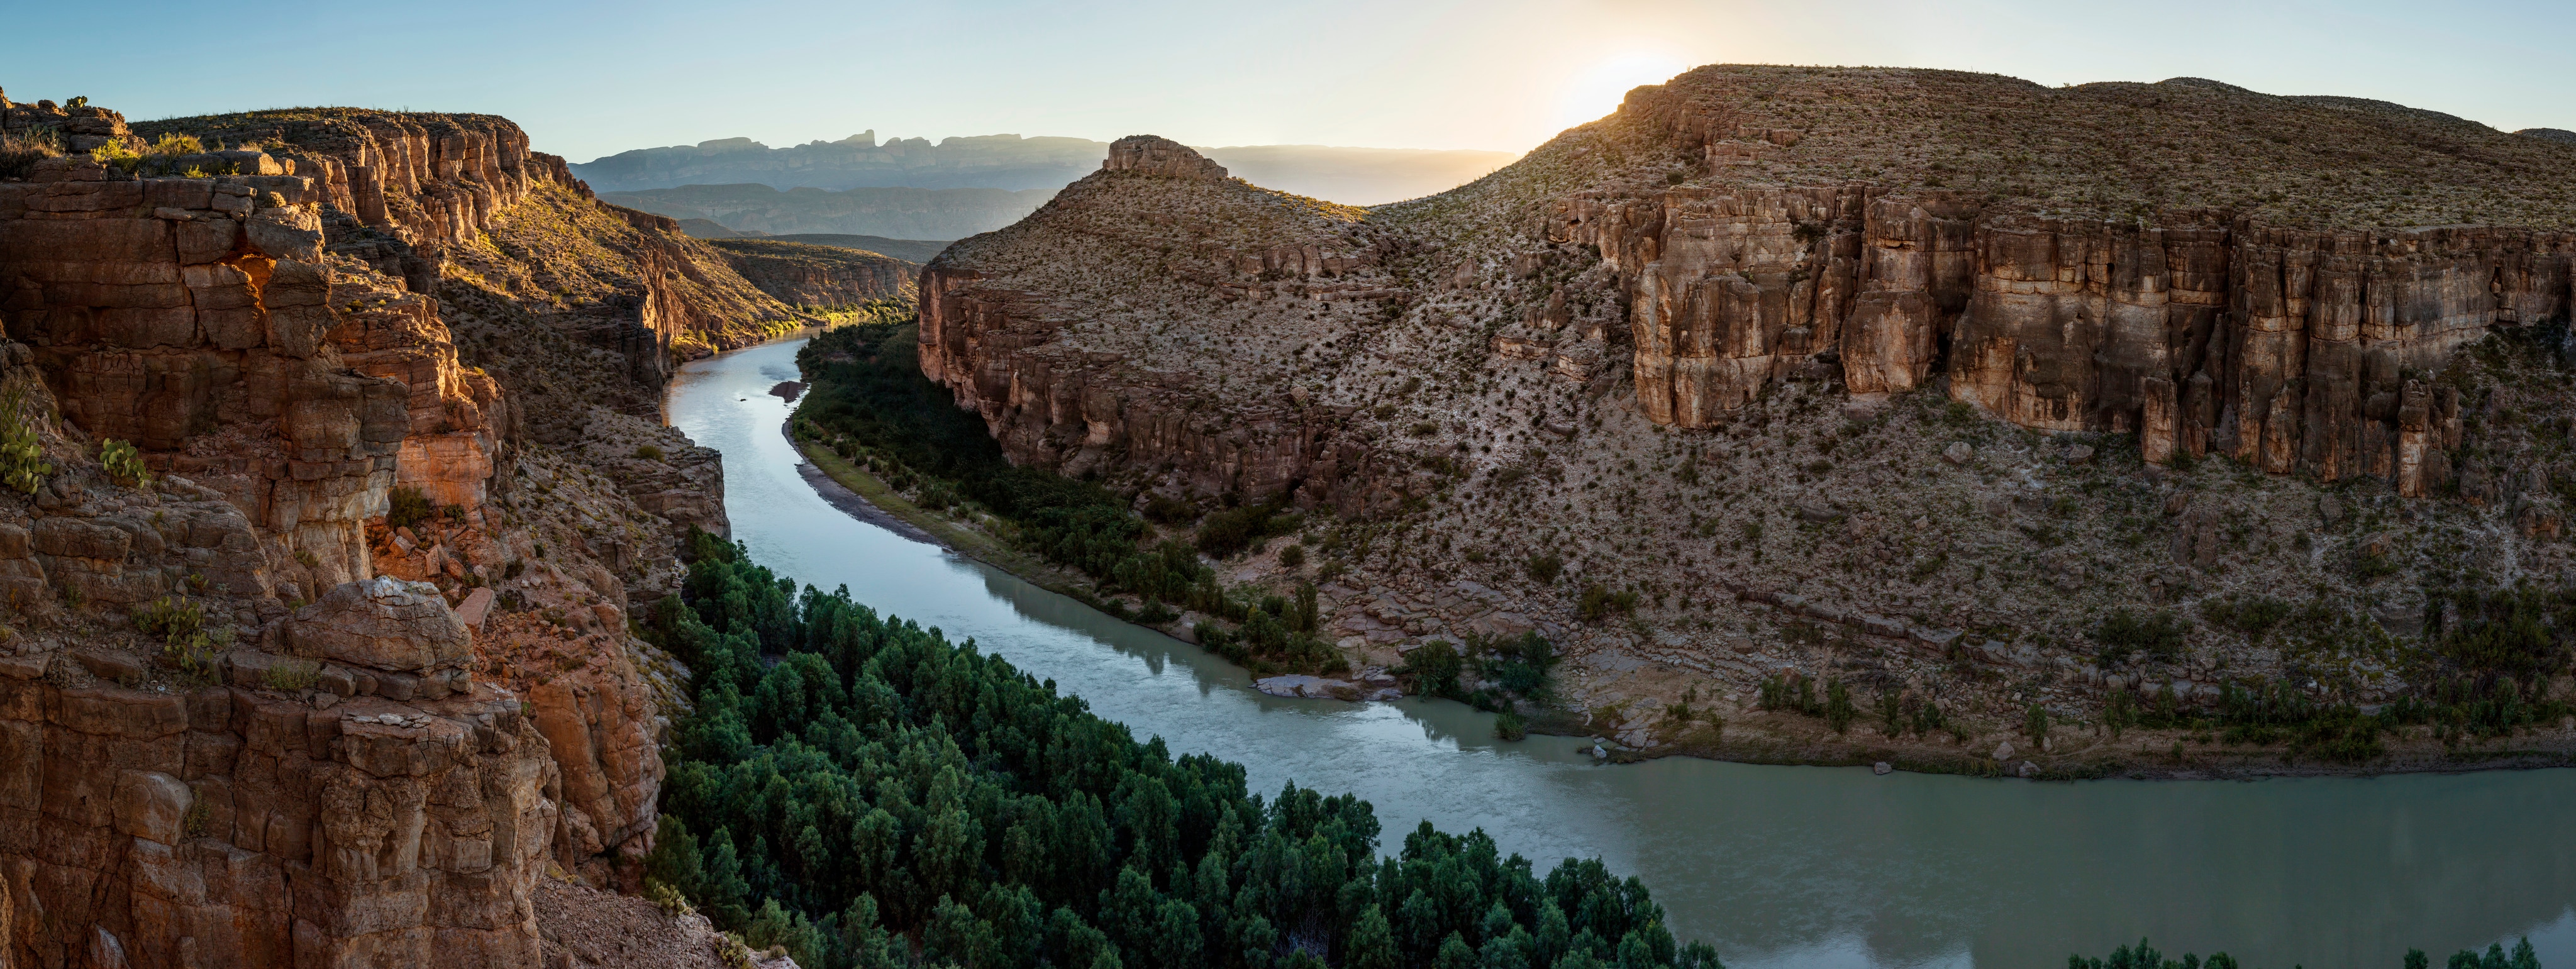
1776,866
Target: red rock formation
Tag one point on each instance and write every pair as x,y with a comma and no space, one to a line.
282,385
246,826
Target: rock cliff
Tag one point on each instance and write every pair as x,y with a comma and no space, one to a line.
1874,374
334,471
802,274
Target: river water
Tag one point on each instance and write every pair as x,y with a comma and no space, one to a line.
1776,866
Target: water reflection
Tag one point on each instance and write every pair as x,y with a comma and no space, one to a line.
1777,866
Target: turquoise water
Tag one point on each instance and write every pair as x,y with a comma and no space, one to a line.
1776,866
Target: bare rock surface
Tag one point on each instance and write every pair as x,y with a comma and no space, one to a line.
376,367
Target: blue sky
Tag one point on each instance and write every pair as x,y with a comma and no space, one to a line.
591,78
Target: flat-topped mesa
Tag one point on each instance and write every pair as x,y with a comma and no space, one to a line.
1156,155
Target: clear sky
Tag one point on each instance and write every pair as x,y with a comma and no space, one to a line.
593,78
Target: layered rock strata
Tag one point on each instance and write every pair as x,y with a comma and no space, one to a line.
819,276
463,702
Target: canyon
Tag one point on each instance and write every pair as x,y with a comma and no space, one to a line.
1905,379
336,472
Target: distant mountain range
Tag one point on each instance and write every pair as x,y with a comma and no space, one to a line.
908,250
1356,176
896,213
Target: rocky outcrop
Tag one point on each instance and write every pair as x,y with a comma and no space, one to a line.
256,826
390,714
435,180
1154,155
819,276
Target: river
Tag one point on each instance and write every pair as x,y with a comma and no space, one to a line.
1776,866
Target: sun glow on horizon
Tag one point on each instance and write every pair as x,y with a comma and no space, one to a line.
1597,90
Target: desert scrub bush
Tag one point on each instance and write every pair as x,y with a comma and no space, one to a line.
292,676
2124,634
650,453
1509,726
2251,615
1544,567
22,148
124,464
1596,603
22,455
407,507
170,617
116,155
2034,723
1294,556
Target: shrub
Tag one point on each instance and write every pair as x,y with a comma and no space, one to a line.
22,148
1293,556
1434,666
2034,723
2124,634
1839,711
1522,664
124,464
1545,567
409,507
22,454
649,452
292,676
1170,511
1229,532
1509,727
2251,615
116,155
170,617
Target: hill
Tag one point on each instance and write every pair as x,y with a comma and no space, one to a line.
1972,396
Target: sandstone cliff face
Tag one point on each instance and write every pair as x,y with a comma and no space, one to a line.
2264,330
385,302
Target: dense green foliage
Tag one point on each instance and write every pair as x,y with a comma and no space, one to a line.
1518,672
2144,956
865,793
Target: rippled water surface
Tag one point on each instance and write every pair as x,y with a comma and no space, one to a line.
1777,866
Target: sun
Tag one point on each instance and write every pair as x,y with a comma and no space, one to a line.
1596,90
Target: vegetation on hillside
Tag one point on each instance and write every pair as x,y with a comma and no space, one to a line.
871,404
865,793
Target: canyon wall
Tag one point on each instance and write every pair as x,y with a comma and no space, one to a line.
252,712
2201,331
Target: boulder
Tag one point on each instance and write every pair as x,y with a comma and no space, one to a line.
382,624
152,806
